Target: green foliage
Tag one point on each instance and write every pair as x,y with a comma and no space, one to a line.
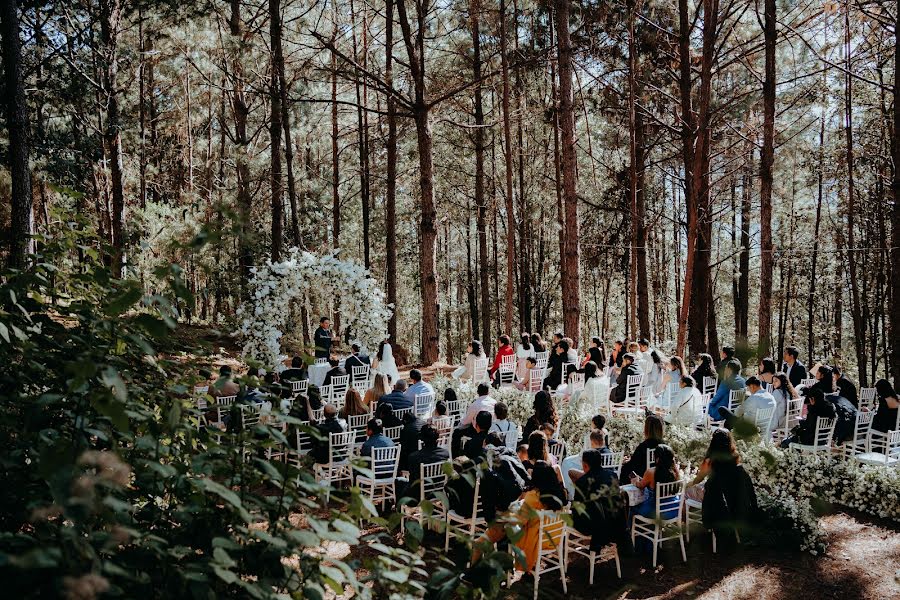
111,484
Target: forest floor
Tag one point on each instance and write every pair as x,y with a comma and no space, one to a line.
862,563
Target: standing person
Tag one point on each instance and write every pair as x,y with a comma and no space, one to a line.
793,368
504,349
384,362
845,387
323,338
524,351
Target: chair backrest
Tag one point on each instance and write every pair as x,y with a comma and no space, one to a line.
339,385
536,379
763,420
200,390
402,412
651,458
559,451
304,439
768,387
384,462
668,499
633,389
808,382
300,386
325,393
360,385
512,437
318,414
541,359
551,533
361,373
393,433
866,397
321,361
424,404
456,407
477,508
480,373
863,426
223,405
576,381
735,398
441,424
249,414
892,452
339,445
508,363
432,479
444,437
358,424
613,461
824,432
709,384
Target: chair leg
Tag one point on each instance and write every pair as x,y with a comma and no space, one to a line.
714,541
683,553
447,537
592,558
618,565
655,544
537,575
562,569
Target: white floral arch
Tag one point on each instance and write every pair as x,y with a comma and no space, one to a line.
361,303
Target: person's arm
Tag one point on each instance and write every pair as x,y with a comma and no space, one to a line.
702,472
646,480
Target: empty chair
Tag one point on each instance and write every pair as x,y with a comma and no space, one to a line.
321,361
867,398
889,458
859,443
507,370
578,543
357,424
339,386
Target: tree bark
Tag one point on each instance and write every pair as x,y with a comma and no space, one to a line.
767,162
275,130
570,267
415,46
390,193
240,111
335,152
110,13
810,312
362,136
895,215
744,260
511,253
21,244
480,200
278,62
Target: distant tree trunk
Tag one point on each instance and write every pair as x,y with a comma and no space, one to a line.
335,151
241,111
390,192
415,47
767,163
810,305
511,254
711,325
278,63
480,200
570,273
21,243
362,143
110,13
688,127
526,245
895,214
744,260
275,127
142,112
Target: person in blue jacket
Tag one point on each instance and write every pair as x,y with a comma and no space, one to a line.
731,381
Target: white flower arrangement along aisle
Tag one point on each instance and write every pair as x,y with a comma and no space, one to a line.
303,275
786,481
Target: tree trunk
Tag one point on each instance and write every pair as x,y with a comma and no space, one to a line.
895,214
511,253
767,163
362,144
21,244
744,260
810,306
335,152
241,111
427,224
390,193
480,200
110,13
570,267
275,127
278,63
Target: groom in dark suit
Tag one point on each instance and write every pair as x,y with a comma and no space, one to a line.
793,368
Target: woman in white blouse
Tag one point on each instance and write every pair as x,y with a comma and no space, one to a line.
524,351
473,353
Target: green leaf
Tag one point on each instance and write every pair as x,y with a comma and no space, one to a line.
111,378
174,417
127,298
224,574
4,332
221,556
223,492
154,326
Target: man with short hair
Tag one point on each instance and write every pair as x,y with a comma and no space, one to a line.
335,371
628,369
417,387
846,388
430,453
466,427
409,437
759,399
330,424
375,438
323,338
597,491
726,354
355,360
731,381
793,368
474,447
397,398
296,372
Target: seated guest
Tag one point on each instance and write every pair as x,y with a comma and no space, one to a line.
379,388
766,370
565,391
418,386
727,355
704,369
297,371
595,354
783,392
595,386
524,351
503,426
385,414
598,509
538,450
824,379
793,368
743,419
673,373
397,399
335,371
725,488
597,441
654,430
885,418
483,403
474,446
439,419
330,424
430,453
665,471
460,486
538,343
730,381
524,383
615,355
845,387
353,404
355,360
686,407
549,432
544,493
555,363
544,412
467,370
628,369
375,438
225,385
571,352
504,349
504,479
818,406
409,437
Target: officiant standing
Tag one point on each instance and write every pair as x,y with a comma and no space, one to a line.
323,338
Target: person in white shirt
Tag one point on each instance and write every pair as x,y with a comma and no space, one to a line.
417,386
466,426
524,351
645,355
686,407
502,425
758,400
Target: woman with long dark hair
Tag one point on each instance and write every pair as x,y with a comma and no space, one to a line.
538,342
524,351
654,432
767,370
473,354
665,471
885,418
544,412
704,369
783,392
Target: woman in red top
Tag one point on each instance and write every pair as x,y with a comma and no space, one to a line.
505,349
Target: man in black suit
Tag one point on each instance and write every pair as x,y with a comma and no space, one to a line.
330,424
430,453
323,339
296,372
846,387
474,446
409,437
628,369
793,368
355,360
335,371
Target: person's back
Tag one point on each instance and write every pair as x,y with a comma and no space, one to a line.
755,402
331,424
729,499
822,408
396,399
604,509
378,440
504,480
686,406
409,437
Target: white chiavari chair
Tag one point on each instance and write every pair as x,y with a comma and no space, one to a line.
866,398
380,486
337,469
667,523
821,440
424,405
889,458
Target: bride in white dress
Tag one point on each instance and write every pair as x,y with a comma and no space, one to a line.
385,364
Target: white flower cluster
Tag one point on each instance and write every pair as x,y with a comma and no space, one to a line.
303,275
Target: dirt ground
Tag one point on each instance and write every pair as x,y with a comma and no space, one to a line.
862,563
